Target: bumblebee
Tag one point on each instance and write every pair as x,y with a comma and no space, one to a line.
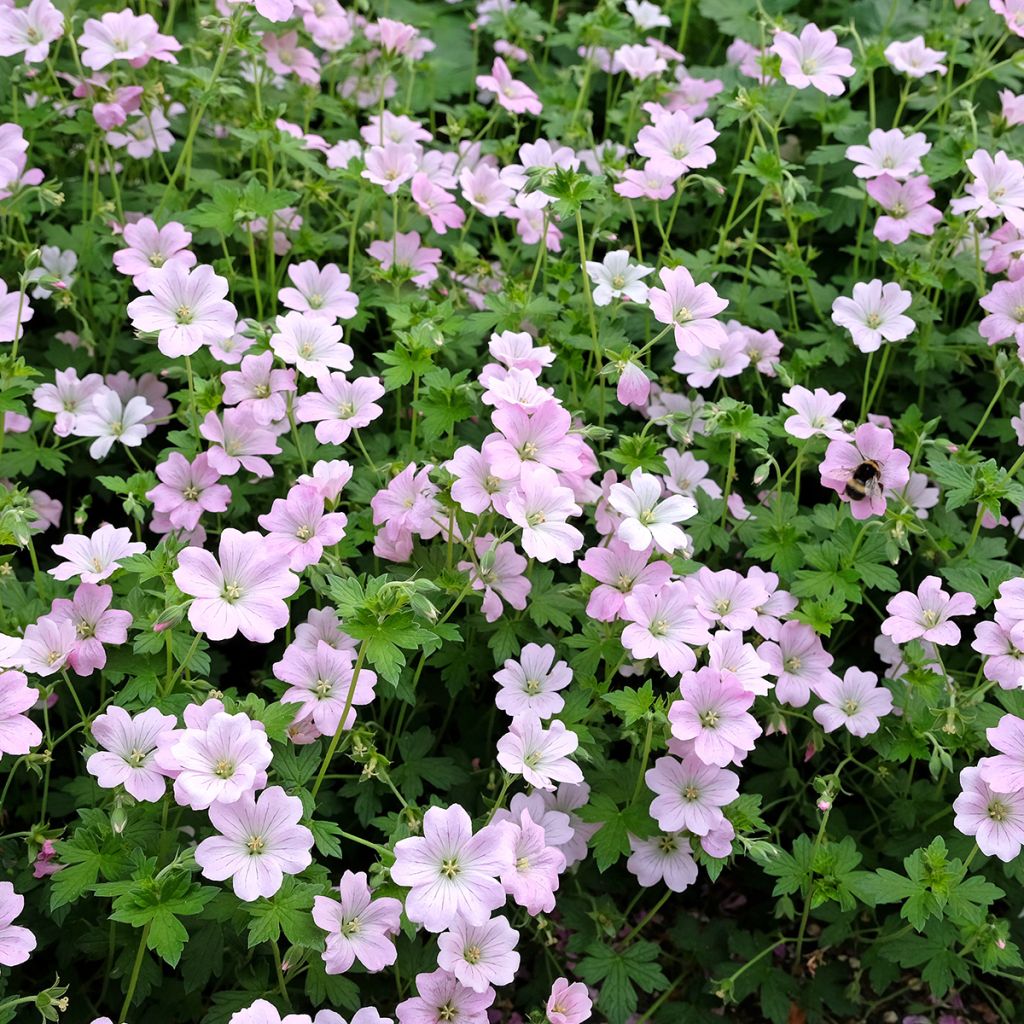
865,481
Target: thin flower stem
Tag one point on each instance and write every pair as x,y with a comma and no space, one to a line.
648,917
336,738
136,967
181,667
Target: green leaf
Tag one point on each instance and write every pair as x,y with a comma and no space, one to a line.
631,704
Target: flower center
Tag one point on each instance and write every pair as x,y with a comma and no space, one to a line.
450,867
190,493
618,281
930,618
683,315
529,450
347,410
350,928
472,955
535,519
231,592
224,768
792,664
322,689
873,320
304,532
184,314
157,259
306,349
647,516
667,844
998,811
691,793
850,706
709,719
85,629
316,300
522,863
624,581
722,606
261,391
255,845
136,757
532,686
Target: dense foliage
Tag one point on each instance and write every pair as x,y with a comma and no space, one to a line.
511,511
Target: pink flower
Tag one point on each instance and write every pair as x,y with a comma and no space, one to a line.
16,943
409,503
311,343
515,97
690,308
46,646
95,557
339,406
914,59
442,999
437,204
726,597
109,417
322,292
185,308
1013,107
1012,12
665,858
285,57
477,488
187,490
298,528
541,506
258,389
530,685
96,624
650,182
926,615
634,386
706,365
321,683
619,570
12,303
540,755
714,715
664,624
1005,308
124,35
452,873
484,190
639,62
390,165
1004,663
531,877
260,842
328,477
30,30
128,746
647,519
358,927
529,439
799,662
18,733
67,396
570,1003
813,413
874,314
855,701
516,350
865,469
997,188
480,955
996,820
676,144
813,59
239,442
406,254
890,153
1005,772
907,206
46,863
149,248
690,794
243,590
500,576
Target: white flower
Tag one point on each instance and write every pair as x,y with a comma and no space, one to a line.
110,419
647,519
616,278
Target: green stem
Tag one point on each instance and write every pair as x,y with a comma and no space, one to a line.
336,738
136,967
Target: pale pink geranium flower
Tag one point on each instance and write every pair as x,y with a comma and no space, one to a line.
814,58
515,97
874,314
540,755
405,252
477,488
1005,771
67,396
706,365
647,518
311,343
913,59
996,820
665,858
16,942
339,406
726,597
258,389
616,278
127,757
95,557
109,417
997,188
437,204
530,685
1012,12
321,683
12,304
500,574
238,442
298,527
260,842
675,144
888,469
531,876
814,413
357,926
570,1003
319,291
479,955
442,999
148,248
799,662
124,35
890,153
451,872
18,733
1005,308
285,57
541,506
186,309
618,570
714,714
664,624
96,624
648,182
484,190
243,590
30,30
390,165
691,308
855,701
639,62
727,653
541,438
46,646
329,477
516,350
1005,658
690,794
187,490
926,615
907,206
